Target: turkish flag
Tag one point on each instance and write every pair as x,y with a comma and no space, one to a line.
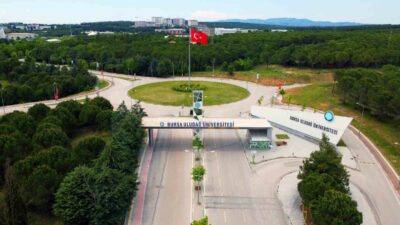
56,93
198,37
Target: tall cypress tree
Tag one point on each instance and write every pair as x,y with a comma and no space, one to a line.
15,207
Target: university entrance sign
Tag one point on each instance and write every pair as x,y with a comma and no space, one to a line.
310,125
204,123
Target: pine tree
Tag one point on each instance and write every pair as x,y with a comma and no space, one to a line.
15,207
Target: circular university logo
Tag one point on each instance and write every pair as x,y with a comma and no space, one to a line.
162,124
329,116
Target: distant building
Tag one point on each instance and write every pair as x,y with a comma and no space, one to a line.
94,33
192,23
20,27
91,33
21,36
54,40
158,21
207,30
175,31
279,30
167,22
180,22
143,24
222,31
2,33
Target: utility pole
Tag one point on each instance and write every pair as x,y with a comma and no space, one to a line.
362,114
2,100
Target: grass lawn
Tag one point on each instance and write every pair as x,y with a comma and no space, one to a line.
385,135
282,136
275,74
102,84
81,134
162,93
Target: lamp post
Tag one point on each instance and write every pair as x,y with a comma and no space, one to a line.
362,114
2,100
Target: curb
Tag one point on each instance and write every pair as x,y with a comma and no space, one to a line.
385,165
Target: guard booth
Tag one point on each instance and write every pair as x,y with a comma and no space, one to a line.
259,139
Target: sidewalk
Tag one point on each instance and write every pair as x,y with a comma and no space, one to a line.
136,219
291,201
296,148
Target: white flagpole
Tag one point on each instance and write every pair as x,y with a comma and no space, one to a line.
190,36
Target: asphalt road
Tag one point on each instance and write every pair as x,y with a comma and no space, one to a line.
168,194
236,194
374,184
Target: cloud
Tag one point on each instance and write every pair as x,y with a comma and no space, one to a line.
206,15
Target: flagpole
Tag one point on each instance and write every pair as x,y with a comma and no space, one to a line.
190,34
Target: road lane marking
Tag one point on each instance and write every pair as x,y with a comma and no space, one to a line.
225,220
192,188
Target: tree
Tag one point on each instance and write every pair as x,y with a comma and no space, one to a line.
16,213
198,146
198,173
231,69
313,187
40,188
39,111
88,114
326,160
104,119
22,121
67,119
76,198
87,150
72,106
100,197
335,208
102,103
50,137
282,92
203,221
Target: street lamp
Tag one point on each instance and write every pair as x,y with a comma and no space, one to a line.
2,100
362,114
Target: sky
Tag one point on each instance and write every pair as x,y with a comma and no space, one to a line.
77,11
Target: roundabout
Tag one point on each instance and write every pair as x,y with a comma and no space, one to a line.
178,93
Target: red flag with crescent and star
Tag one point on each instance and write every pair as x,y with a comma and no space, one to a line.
198,37
56,93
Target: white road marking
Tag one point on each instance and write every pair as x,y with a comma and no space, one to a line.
225,220
244,217
191,199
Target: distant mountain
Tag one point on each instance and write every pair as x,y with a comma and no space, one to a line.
293,22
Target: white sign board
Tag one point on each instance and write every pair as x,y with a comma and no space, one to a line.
309,123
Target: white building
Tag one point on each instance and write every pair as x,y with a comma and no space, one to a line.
178,22
21,27
54,40
2,33
143,24
193,23
157,20
222,31
167,21
20,36
308,125
279,30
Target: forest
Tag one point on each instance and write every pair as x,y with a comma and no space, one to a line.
154,55
27,81
376,91
43,172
